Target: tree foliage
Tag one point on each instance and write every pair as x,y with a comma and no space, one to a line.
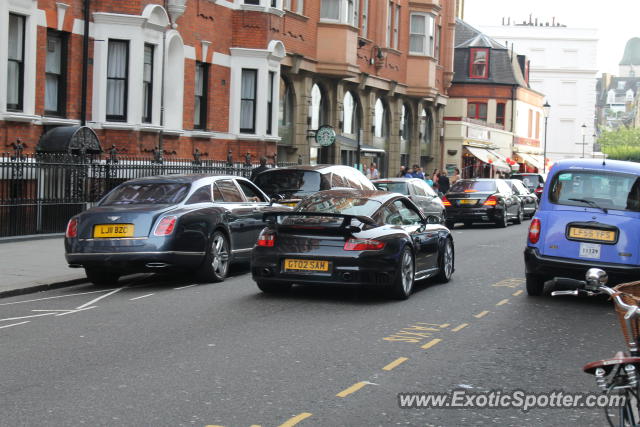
621,144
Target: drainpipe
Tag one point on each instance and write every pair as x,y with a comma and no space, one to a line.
164,61
85,64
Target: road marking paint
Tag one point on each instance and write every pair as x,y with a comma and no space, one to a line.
431,343
503,302
93,301
460,327
49,311
26,317
252,425
185,287
58,296
395,363
143,296
357,386
14,324
295,420
214,425
444,325
516,293
509,283
76,311
481,314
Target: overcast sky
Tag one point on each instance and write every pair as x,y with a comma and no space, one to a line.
616,20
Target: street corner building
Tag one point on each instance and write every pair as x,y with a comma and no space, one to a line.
230,79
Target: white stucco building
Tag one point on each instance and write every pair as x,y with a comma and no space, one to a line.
563,67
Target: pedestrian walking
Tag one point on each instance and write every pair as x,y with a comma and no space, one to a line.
443,182
456,176
434,179
263,167
373,172
417,172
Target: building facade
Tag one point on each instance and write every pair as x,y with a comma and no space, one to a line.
232,78
493,118
564,68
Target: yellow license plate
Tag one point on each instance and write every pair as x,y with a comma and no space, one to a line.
305,265
112,230
591,234
290,204
468,202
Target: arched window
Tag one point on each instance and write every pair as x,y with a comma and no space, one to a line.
351,114
381,125
426,131
285,113
405,122
317,107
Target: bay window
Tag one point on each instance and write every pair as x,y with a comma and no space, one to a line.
248,100
421,34
55,70
117,79
343,11
15,63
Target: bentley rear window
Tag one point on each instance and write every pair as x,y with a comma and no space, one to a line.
600,190
147,194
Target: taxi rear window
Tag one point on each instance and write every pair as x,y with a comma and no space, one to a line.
603,190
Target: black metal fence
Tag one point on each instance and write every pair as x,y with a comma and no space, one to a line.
40,192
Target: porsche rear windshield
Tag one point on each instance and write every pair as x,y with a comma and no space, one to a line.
339,204
287,182
147,194
392,186
596,189
473,187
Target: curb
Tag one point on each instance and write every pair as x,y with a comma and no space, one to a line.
28,237
40,288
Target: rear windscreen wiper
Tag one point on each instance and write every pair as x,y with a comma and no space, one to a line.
590,203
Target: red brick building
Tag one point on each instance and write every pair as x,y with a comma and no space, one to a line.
255,76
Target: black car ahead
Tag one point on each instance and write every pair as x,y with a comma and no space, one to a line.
528,199
418,191
352,237
482,200
193,223
533,181
290,184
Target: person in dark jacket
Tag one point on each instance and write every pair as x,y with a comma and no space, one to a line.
443,182
263,167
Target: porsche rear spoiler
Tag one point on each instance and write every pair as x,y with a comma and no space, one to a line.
271,218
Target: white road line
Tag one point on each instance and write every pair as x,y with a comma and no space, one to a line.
26,317
49,311
14,324
143,296
59,296
75,311
184,287
93,301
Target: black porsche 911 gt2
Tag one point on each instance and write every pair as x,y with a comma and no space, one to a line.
352,237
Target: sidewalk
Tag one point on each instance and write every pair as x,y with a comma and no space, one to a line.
35,265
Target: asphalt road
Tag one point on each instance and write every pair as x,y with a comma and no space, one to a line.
165,352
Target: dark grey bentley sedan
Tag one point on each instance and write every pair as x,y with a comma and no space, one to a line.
194,223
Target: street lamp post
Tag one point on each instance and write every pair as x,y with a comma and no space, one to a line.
546,108
584,131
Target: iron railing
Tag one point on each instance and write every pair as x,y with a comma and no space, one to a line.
40,192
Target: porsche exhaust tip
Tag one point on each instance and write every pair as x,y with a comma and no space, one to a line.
156,265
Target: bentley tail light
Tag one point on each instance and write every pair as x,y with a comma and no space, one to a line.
354,244
534,231
165,226
72,228
491,201
445,201
267,238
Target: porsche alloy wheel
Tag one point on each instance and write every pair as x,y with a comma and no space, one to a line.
405,276
446,262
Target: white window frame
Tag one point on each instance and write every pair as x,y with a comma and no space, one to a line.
344,17
396,26
428,35
389,23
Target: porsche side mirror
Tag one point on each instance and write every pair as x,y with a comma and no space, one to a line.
432,219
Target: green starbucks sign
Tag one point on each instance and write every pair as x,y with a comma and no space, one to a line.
325,135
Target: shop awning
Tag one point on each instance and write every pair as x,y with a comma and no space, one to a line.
353,145
491,157
70,139
532,159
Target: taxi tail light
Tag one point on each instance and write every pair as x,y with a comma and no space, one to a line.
491,201
267,238
72,228
534,231
354,244
445,201
165,226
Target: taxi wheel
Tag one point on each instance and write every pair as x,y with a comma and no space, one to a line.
101,277
403,282
273,287
535,285
215,266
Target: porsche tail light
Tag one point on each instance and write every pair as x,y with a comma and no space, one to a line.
445,201
354,244
534,231
72,228
491,201
165,226
267,238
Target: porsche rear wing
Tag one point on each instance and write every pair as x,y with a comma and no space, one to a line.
272,219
